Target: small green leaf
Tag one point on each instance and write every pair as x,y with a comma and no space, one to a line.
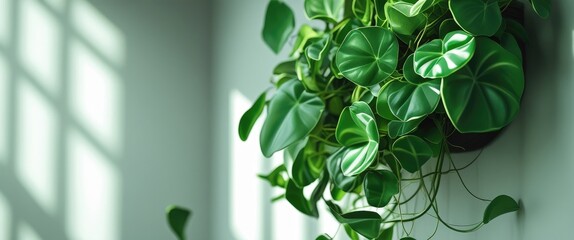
287,68
399,128
380,187
500,205
323,237
365,223
308,165
294,195
439,59
328,10
412,152
383,108
400,20
292,114
318,49
485,95
345,183
541,7
275,178
420,6
177,218
410,101
279,24
363,10
305,33
250,117
479,17
368,55
336,193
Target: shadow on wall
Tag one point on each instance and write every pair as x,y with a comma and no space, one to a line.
61,125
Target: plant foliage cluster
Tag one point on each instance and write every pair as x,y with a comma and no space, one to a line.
365,102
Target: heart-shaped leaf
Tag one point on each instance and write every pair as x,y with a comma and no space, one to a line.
357,131
440,58
383,100
365,223
279,24
292,114
400,19
345,183
308,165
250,117
399,128
412,152
380,187
479,17
295,196
328,10
500,205
409,101
368,55
485,95
409,71
541,7
177,218
420,6
275,178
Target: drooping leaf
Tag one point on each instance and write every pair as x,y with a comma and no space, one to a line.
410,101
295,196
345,183
365,223
292,114
412,152
357,131
409,71
351,233
484,95
541,7
308,165
368,55
279,24
286,68
399,128
318,49
250,117
328,10
363,10
177,218
479,17
500,205
290,154
440,58
324,237
275,178
447,26
398,14
380,187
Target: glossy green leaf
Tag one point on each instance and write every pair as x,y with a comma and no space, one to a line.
336,193
400,20
500,205
409,71
351,233
447,26
308,165
479,17
295,196
291,153
318,49
292,114
286,68
305,72
250,117
328,10
399,128
368,55
408,238
323,237
484,95
440,58
357,131
508,42
411,101
541,7
363,10
177,218
345,183
365,223
412,152
341,30
380,187
387,234
305,33
383,108
279,24
380,10
276,178
420,6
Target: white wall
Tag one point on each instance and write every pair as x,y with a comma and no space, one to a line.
104,117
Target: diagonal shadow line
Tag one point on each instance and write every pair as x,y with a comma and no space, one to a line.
24,206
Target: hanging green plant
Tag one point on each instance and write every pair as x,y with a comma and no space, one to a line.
365,106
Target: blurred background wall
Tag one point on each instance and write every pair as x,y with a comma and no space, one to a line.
110,110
